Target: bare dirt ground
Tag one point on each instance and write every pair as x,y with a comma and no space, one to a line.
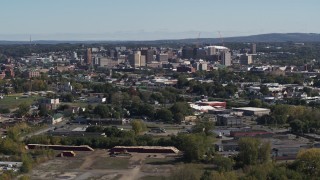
98,165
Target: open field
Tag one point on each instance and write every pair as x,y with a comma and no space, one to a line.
11,102
98,165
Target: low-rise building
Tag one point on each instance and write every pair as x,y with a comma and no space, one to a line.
253,111
32,73
49,104
56,118
228,120
251,133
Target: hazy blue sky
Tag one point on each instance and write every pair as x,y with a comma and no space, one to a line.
153,19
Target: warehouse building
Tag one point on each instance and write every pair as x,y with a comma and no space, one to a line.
228,120
253,111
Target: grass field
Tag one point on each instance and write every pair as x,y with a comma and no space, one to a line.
161,161
11,102
79,104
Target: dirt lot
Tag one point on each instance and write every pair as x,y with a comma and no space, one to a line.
98,165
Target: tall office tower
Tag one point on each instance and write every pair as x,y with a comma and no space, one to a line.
148,53
246,59
211,50
199,53
254,48
226,58
143,62
135,59
187,53
88,56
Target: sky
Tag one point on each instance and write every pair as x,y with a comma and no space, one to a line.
153,19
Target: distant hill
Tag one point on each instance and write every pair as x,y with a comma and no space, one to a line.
277,37
272,37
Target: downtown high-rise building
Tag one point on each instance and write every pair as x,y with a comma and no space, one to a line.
254,48
135,59
226,58
88,59
148,53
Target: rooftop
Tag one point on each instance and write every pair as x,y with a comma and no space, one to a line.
217,47
251,109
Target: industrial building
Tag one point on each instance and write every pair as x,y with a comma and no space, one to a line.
253,111
251,133
227,145
228,120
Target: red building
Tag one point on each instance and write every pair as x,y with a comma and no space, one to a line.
32,73
60,147
6,70
144,149
213,104
239,134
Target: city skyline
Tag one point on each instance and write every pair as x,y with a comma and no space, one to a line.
147,20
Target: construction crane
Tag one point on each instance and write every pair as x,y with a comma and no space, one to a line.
221,38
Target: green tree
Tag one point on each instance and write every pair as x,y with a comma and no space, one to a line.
253,151
164,115
223,164
77,87
178,117
297,126
24,177
255,103
23,109
182,81
181,107
308,162
203,125
223,176
68,97
138,126
26,163
194,146
264,90
102,110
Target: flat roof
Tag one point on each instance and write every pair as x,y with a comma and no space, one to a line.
251,109
149,147
217,47
207,102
